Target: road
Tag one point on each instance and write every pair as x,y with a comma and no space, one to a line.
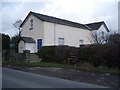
19,79
0,77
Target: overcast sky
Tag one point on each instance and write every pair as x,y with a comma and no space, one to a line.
81,11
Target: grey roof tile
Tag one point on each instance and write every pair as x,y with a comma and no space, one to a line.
95,26
27,39
57,20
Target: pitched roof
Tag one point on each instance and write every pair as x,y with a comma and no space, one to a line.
56,20
27,39
97,25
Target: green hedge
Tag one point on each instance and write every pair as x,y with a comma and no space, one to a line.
100,55
57,54
96,55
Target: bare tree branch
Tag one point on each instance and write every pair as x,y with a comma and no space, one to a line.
17,25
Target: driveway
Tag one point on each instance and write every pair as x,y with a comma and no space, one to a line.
19,79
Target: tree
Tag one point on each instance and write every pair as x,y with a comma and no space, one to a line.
100,37
15,38
5,42
14,41
114,39
96,39
17,25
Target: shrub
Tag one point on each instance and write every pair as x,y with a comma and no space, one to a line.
96,55
46,53
100,55
53,54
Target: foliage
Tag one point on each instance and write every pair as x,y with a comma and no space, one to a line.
84,66
14,40
44,53
50,53
100,55
97,55
5,42
35,64
114,39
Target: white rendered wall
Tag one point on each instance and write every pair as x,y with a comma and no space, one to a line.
99,32
71,35
21,46
36,32
31,47
48,34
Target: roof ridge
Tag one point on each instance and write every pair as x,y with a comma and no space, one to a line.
60,19
96,22
56,17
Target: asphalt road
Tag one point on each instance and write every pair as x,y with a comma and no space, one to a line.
0,77
19,79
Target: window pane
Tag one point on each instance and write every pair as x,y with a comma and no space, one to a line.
39,43
81,42
61,41
31,24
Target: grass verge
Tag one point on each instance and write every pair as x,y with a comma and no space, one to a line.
83,67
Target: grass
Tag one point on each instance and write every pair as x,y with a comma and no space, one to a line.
35,64
83,67
101,69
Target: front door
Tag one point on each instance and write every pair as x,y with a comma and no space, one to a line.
39,43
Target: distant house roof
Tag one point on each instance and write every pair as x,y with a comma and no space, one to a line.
27,39
97,25
56,20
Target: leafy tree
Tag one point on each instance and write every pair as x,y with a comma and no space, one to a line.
5,42
15,38
14,41
114,39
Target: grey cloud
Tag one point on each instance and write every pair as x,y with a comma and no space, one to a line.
11,11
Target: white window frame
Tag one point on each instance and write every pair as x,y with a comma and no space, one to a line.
81,42
60,41
31,24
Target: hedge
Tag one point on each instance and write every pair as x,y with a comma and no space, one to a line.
97,55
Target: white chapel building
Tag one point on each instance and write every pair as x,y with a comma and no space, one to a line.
39,30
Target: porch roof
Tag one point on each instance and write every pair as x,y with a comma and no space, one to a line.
27,39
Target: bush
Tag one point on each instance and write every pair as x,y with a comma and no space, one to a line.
53,54
5,42
96,55
46,53
100,55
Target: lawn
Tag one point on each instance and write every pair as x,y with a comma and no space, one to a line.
83,67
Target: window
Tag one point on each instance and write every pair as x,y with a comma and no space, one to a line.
39,43
81,42
61,41
102,34
31,24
